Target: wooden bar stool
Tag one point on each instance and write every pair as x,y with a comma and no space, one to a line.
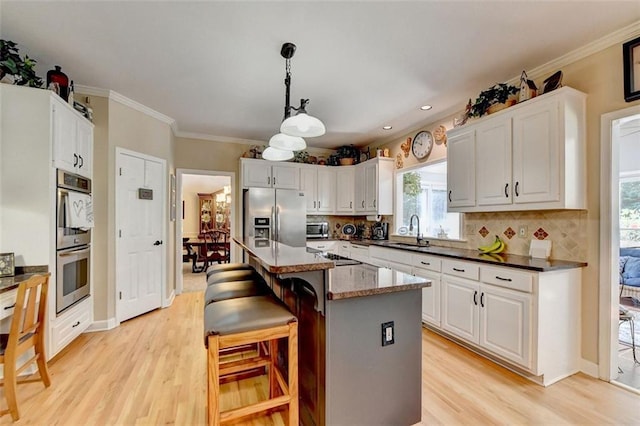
245,321
224,267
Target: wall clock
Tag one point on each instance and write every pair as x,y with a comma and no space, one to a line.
422,144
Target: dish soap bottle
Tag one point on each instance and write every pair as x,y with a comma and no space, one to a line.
71,92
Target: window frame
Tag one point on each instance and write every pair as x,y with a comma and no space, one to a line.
398,194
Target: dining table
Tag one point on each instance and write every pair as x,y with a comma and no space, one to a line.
197,248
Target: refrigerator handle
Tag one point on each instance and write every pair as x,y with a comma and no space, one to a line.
274,236
278,223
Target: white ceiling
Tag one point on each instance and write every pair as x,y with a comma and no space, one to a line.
215,67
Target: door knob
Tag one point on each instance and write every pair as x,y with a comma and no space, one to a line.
157,243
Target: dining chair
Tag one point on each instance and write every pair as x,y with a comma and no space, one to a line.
27,331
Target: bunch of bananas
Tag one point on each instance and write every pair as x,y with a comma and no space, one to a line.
497,246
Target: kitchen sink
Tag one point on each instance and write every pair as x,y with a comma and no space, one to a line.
407,246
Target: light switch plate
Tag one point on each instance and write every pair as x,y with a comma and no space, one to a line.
388,333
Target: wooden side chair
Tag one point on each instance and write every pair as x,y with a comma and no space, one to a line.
27,331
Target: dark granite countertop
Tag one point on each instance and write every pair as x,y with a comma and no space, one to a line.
503,259
346,282
23,273
279,258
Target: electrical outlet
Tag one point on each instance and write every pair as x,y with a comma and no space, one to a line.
522,232
387,333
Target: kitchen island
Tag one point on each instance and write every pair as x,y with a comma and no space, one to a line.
360,334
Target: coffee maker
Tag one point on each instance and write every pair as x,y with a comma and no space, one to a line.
380,231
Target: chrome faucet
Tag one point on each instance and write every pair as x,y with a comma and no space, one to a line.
418,239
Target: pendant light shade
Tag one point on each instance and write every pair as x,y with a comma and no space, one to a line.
303,125
275,154
287,142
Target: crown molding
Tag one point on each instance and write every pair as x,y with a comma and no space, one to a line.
617,37
227,139
117,97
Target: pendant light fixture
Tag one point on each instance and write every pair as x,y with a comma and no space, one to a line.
293,127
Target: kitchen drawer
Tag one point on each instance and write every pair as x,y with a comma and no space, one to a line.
8,303
521,281
70,325
359,252
393,255
461,269
322,245
423,261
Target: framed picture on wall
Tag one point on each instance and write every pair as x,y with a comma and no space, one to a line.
172,199
631,65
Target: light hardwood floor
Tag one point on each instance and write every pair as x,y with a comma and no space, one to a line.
151,370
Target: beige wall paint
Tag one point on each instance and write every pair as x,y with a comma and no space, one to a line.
600,76
117,125
198,154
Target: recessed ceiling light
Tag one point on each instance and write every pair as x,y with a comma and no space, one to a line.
387,127
426,107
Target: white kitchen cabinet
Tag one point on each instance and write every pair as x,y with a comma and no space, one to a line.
34,138
328,246
528,157
429,267
493,163
72,138
319,186
374,187
360,252
269,174
505,323
460,307
345,187
513,316
461,179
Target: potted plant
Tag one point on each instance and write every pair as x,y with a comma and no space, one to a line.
16,70
347,155
493,99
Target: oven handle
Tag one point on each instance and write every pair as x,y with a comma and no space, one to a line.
69,253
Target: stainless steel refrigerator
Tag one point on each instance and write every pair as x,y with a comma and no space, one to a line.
276,214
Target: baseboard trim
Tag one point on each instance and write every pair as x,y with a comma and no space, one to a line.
589,368
102,325
169,301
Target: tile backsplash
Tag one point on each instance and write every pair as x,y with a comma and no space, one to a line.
566,229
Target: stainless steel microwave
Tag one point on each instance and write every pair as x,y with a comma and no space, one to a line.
317,230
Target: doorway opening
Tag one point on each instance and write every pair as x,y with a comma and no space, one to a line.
205,205
620,248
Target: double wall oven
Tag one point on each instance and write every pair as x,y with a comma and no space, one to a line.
73,242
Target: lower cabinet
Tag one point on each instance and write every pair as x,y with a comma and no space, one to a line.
496,319
528,320
69,325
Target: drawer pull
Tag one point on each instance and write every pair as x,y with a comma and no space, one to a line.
503,279
76,324
9,307
425,263
458,270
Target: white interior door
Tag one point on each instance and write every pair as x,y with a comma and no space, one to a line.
140,249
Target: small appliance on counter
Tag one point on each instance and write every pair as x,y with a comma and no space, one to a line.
317,230
380,231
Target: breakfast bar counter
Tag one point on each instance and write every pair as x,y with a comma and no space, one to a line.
360,344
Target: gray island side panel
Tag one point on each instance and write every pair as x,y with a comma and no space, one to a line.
366,383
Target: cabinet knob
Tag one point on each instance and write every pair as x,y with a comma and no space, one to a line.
75,160
506,190
516,188
449,195
475,298
81,161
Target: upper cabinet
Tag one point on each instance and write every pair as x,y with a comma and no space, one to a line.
72,139
528,157
345,176
319,186
269,174
373,187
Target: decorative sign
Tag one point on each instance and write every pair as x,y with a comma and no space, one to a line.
145,194
7,265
